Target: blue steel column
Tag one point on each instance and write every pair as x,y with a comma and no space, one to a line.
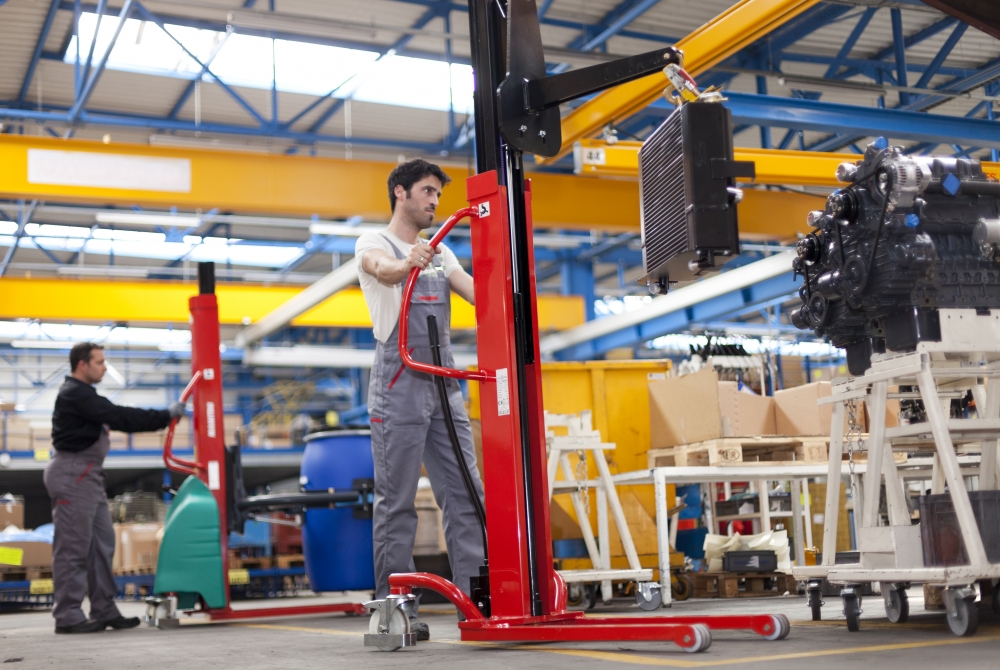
765,131
578,279
899,43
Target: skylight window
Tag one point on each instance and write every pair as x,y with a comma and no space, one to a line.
296,67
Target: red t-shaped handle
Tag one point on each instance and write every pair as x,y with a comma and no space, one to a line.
404,314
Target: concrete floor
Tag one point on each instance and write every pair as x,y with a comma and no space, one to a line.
27,639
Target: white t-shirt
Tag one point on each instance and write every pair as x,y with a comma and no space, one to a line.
384,301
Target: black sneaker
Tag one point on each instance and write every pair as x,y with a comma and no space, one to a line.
122,623
422,630
82,627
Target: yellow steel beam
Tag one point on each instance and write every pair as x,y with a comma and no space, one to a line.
597,158
301,186
740,25
166,302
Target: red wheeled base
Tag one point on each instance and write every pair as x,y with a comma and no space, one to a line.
230,614
691,633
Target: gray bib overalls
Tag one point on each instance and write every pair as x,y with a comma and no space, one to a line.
84,543
408,429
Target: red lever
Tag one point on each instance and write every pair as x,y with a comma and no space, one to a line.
404,314
171,461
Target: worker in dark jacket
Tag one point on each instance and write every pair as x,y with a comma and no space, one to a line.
84,543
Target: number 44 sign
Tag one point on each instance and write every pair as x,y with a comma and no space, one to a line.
483,210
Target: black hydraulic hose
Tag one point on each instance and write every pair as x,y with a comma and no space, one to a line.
449,422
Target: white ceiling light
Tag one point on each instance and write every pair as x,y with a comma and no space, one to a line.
310,25
342,229
42,344
77,271
137,219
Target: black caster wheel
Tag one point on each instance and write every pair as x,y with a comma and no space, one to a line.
591,591
963,614
815,591
897,605
681,586
852,607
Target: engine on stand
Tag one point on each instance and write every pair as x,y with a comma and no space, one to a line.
907,235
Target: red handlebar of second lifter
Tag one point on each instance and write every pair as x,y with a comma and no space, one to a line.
171,461
404,314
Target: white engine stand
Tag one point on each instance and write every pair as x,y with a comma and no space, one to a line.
967,355
582,438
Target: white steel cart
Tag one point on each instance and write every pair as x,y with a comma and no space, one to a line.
582,439
967,355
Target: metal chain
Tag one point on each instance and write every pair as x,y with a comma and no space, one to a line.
853,438
581,481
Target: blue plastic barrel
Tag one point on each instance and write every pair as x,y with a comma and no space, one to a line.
337,546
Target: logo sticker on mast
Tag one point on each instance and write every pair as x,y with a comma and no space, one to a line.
483,210
503,393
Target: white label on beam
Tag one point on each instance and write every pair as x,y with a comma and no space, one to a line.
100,170
210,417
213,475
503,393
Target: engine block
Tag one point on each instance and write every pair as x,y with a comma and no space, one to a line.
905,236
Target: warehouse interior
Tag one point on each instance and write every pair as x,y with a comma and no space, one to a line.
154,153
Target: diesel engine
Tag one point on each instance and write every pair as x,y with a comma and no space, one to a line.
905,236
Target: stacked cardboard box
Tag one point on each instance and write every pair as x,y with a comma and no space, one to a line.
698,407
137,546
11,512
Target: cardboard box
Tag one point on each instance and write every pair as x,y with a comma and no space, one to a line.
684,409
699,407
745,414
36,554
11,514
796,411
139,545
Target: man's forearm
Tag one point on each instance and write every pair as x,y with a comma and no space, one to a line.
390,271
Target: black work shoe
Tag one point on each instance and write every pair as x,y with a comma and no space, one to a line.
122,623
422,630
82,627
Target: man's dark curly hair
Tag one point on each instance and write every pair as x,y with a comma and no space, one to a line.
409,173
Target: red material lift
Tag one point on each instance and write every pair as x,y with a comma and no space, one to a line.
520,597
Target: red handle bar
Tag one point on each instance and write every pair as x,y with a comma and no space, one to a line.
404,314
171,461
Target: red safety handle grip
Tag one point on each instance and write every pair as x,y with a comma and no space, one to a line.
404,314
171,461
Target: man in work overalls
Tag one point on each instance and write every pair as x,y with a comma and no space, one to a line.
84,542
407,423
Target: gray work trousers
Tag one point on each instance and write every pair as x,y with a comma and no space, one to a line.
408,429
84,542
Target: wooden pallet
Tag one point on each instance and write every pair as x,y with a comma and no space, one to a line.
24,574
290,561
764,450
742,584
255,563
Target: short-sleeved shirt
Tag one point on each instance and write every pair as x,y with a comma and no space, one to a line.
384,300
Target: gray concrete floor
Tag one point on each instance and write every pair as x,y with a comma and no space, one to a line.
27,641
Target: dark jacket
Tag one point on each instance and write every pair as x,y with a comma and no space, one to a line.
81,414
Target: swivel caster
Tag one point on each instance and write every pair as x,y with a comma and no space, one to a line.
852,606
389,626
963,615
574,594
897,605
815,591
161,612
647,595
681,586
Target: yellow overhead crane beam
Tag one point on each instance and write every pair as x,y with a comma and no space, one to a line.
740,25
124,175
167,302
597,158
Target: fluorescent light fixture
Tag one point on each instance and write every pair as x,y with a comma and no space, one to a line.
102,272
342,229
195,143
175,347
42,344
137,219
